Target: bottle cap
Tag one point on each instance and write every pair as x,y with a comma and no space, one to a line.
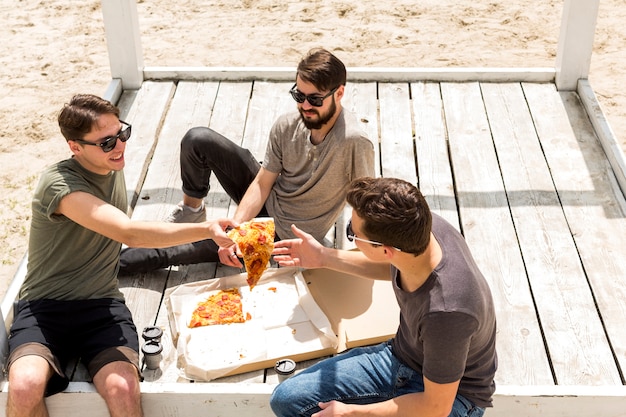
285,367
152,333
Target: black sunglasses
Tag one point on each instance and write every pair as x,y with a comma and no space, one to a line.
108,144
314,100
352,237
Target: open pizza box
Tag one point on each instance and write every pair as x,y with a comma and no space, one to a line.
294,313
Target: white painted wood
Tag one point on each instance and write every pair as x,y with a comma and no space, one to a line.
267,102
361,98
579,351
591,202
252,400
192,105
573,56
145,110
114,90
355,74
593,213
431,145
397,150
488,228
609,142
121,27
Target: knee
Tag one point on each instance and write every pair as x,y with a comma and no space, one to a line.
122,389
27,388
199,135
282,400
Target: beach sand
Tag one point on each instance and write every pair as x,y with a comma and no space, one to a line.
53,49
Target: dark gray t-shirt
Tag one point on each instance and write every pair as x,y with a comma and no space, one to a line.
448,326
65,260
311,189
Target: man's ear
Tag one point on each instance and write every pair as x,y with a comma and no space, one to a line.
388,251
340,92
74,147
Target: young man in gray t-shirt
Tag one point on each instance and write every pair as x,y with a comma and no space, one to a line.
311,158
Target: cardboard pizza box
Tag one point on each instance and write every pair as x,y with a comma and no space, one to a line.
361,311
319,314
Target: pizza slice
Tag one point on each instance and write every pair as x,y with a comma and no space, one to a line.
223,307
256,243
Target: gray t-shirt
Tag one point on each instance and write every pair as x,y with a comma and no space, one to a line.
448,326
65,260
311,189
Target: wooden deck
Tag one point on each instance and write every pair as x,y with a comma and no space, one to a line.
517,167
532,177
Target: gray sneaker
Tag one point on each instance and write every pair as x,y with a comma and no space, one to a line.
183,214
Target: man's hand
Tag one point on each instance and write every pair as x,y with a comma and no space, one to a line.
228,256
333,408
227,251
304,251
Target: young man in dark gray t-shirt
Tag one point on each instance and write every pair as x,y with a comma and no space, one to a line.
442,360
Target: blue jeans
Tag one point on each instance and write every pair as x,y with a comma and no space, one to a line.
360,376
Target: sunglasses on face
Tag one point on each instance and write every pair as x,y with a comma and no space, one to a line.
314,100
352,237
108,144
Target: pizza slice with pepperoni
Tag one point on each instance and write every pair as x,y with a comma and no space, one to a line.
255,240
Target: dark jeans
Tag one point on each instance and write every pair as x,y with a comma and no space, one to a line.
202,152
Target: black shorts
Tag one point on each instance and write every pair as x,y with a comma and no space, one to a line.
96,331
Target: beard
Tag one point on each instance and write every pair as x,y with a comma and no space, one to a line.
321,119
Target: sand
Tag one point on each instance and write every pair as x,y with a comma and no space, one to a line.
53,49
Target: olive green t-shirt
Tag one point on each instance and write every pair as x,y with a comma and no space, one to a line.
65,260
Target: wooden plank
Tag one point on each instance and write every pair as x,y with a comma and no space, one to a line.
579,351
433,161
612,147
145,109
362,100
397,152
268,101
252,400
488,229
355,74
591,200
191,105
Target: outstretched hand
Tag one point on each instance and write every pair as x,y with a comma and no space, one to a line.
227,250
303,251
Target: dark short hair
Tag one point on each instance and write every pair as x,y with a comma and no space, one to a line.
322,69
394,212
78,117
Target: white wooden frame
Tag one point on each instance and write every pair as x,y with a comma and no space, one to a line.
572,62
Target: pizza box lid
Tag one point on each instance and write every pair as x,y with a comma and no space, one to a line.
361,311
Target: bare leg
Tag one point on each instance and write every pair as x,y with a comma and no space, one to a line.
118,384
28,377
